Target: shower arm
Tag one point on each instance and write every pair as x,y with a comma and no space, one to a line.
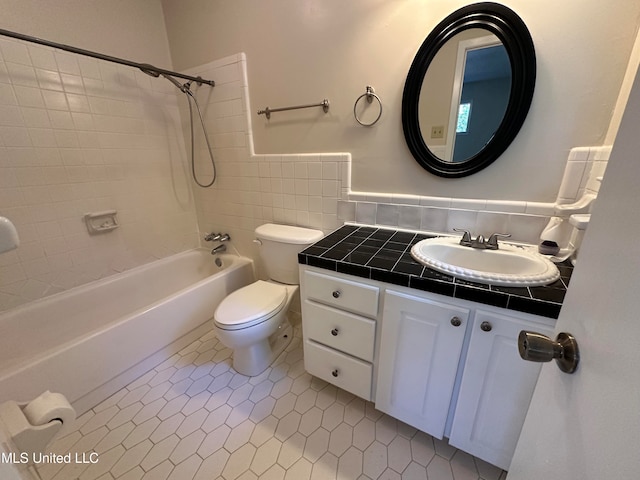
144,67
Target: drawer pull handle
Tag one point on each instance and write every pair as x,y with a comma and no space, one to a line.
336,293
456,322
334,332
335,373
486,326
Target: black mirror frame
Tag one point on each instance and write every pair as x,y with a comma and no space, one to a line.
512,31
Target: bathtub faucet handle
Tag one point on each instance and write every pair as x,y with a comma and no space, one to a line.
224,237
212,237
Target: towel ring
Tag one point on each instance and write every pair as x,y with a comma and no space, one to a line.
369,95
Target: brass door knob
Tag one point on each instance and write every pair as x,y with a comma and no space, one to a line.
536,347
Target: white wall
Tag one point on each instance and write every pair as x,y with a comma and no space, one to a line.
122,28
79,135
303,51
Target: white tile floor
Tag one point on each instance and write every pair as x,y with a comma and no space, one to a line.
194,418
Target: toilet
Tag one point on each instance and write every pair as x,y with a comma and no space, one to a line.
252,321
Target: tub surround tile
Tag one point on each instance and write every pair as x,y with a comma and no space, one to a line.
384,255
84,142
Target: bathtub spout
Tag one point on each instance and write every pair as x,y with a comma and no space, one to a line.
219,249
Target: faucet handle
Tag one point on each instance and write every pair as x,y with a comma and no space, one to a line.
224,237
466,236
493,239
211,237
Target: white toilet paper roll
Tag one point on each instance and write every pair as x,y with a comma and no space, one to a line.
48,407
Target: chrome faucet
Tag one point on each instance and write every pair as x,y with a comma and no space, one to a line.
219,249
492,243
217,237
480,242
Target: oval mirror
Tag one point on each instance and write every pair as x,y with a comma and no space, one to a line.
468,90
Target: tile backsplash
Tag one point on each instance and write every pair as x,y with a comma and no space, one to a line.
523,220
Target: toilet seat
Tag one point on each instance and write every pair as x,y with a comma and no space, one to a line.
250,305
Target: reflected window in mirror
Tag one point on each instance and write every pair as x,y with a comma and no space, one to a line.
464,112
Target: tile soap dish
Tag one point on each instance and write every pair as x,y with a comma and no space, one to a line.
101,222
8,235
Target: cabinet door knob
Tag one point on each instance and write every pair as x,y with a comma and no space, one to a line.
334,332
336,293
456,322
486,326
335,373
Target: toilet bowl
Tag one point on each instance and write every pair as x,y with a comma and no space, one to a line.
253,321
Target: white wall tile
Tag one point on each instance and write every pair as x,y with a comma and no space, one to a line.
16,52
387,214
366,212
488,223
434,219
462,219
60,165
409,217
572,180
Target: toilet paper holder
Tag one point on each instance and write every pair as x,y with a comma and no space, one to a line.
23,435
536,347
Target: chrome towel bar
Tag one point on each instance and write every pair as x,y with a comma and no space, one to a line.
268,111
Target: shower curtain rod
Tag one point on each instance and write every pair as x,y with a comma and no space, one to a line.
141,66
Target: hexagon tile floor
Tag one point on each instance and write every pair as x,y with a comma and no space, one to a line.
194,418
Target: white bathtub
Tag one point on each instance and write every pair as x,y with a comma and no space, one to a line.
92,340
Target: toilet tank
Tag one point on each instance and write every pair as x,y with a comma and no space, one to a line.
279,248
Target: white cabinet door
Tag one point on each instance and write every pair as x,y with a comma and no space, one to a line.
496,389
419,355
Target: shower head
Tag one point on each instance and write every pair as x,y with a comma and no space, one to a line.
175,82
150,70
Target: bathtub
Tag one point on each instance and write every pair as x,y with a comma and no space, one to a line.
90,341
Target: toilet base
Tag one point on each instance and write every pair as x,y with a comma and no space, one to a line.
254,359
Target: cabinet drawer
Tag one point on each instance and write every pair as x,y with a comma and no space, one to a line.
345,294
341,330
346,372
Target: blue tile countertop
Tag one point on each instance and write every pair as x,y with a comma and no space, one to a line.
384,255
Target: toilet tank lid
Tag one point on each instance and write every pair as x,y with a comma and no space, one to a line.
288,234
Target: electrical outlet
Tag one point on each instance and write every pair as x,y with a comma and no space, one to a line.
437,132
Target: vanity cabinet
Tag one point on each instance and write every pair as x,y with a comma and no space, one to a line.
447,366
496,388
421,343
339,319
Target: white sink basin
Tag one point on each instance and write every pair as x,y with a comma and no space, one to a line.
510,265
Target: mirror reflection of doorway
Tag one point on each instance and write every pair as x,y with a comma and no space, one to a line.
480,96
